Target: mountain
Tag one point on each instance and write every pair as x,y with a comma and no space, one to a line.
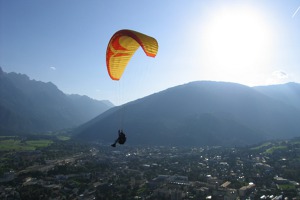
288,93
198,113
34,106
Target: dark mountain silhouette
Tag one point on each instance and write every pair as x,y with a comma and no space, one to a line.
34,106
198,113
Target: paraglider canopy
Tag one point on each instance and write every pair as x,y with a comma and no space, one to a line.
121,47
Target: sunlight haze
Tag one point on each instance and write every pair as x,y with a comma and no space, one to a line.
238,43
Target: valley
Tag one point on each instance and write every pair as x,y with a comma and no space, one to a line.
71,170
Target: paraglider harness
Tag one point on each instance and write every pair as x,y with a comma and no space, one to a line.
121,139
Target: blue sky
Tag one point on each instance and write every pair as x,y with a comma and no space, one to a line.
253,42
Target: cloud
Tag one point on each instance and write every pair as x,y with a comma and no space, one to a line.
53,68
277,77
280,75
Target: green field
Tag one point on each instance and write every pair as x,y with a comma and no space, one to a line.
286,187
19,145
262,146
63,138
275,148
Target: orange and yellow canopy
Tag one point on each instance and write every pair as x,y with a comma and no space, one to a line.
121,47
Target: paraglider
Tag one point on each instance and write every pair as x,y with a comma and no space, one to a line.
121,138
121,47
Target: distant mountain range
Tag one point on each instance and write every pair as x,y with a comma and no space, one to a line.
287,93
202,113
197,113
29,106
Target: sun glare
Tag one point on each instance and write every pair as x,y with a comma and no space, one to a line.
236,42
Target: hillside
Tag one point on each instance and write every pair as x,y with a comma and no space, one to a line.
198,113
287,93
33,106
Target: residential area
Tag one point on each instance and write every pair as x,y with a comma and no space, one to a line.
69,170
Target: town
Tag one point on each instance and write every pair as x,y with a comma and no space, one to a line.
71,170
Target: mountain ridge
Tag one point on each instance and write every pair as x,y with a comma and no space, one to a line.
187,113
195,113
281,91
34,106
